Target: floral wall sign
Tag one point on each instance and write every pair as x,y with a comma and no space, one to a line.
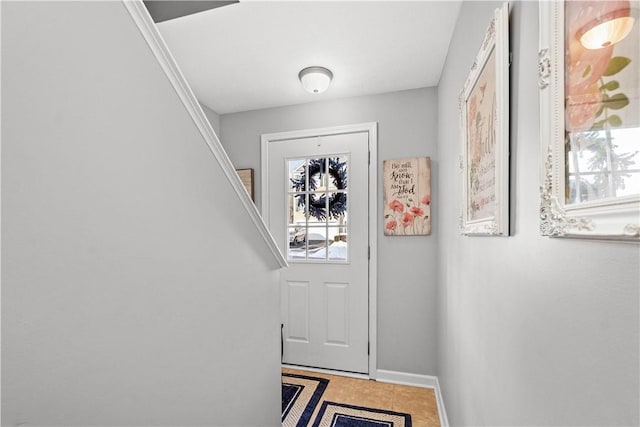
407,196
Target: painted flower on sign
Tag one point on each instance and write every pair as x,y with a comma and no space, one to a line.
396,206
407,219
413,217
416,211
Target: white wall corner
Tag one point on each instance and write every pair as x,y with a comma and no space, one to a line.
416,380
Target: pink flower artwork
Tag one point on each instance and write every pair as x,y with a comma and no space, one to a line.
407,197
396,206
416,211
407,219
473,110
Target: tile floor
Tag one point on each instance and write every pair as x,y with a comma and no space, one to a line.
419,402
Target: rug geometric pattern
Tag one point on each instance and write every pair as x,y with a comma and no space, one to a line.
300,396
340,415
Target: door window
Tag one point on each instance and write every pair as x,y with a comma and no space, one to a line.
317,209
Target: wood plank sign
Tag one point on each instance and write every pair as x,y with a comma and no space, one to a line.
246,176
407,196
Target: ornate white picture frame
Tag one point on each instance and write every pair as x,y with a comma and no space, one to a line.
484,112
589,122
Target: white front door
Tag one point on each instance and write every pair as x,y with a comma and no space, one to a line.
318,212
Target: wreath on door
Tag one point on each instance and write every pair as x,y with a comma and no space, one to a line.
318,204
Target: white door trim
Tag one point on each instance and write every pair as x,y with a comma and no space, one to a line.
372,129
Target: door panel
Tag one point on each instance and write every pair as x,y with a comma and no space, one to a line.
318,214
298,311
337,313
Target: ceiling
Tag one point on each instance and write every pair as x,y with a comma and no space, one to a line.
247,55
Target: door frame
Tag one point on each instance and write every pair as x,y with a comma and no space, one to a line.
372,129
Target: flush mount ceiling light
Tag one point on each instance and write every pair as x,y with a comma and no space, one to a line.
315,79
607,30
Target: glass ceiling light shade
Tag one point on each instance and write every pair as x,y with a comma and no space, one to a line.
315,79
607,30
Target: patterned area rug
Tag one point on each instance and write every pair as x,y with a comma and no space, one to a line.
339,415
300,396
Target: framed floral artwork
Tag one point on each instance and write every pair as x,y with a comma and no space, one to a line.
589,80
484,112
407,196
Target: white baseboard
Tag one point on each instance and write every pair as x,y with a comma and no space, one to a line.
416,380
442,413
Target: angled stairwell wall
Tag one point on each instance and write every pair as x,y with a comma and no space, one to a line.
138,287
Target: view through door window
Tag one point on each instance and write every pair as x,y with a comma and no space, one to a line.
317,209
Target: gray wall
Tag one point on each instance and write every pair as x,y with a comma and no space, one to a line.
406,265
135,291
532,330
214,118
